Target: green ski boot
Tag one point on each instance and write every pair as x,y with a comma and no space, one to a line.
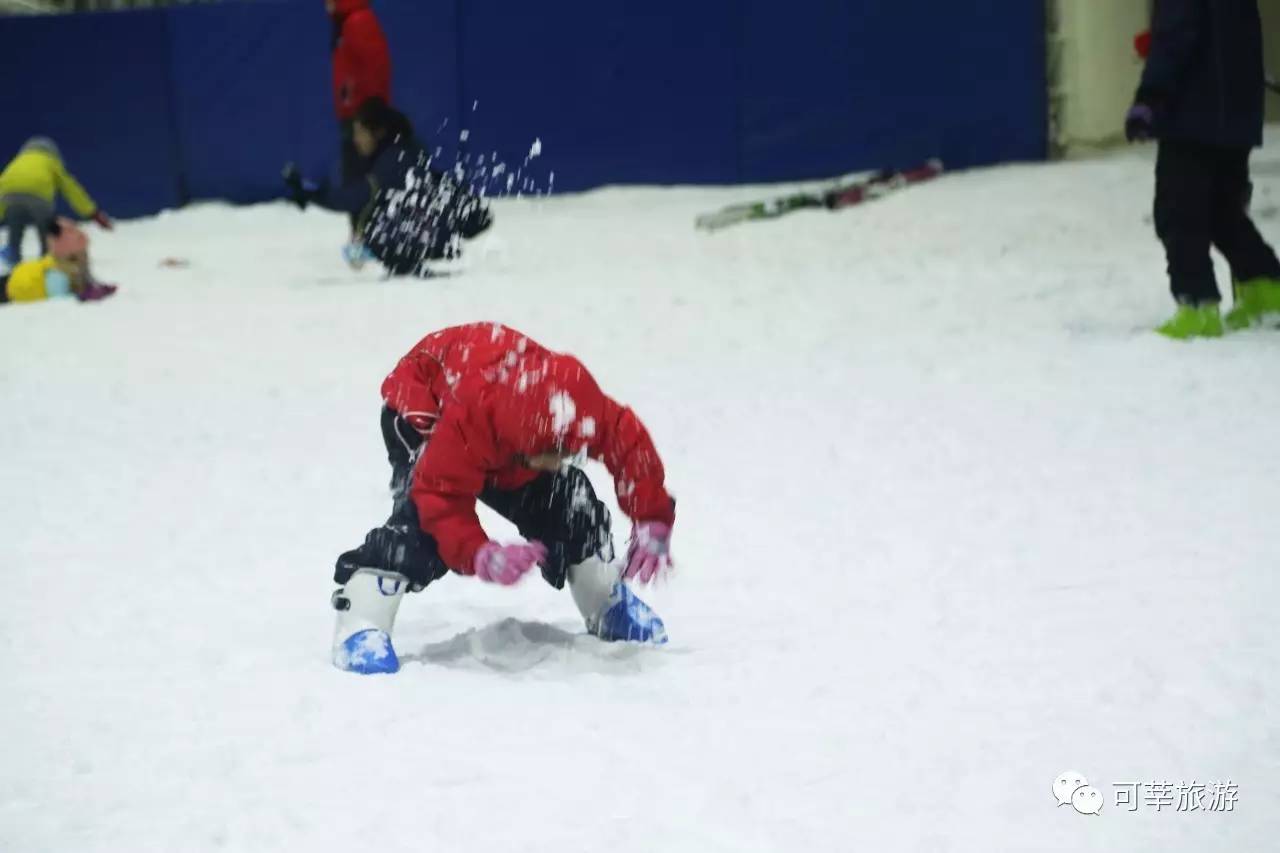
1255,300
1194,321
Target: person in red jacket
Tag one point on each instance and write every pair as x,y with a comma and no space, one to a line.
361,70
490,415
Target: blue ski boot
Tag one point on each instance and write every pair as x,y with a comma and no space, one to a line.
367,608
357,254
630,620
611,610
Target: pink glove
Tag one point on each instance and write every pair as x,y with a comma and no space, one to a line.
650,551
103,220
506,564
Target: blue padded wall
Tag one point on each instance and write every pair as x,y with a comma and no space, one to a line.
210,101
100,86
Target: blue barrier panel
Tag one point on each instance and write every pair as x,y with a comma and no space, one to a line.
252,91
210,101
619,91
254,88
423,37
834,85
99,85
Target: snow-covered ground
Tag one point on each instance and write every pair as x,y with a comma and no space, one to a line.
952,521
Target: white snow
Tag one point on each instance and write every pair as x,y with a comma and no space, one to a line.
951,521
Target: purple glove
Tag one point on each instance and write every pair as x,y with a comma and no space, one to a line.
506,564
93,291
650,552
1138,123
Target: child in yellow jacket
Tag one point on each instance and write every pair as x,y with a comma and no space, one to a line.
29,187
64,271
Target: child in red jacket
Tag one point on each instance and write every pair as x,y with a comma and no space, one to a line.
361,70
491,415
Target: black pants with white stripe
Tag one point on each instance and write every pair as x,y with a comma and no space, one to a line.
559,510
403,443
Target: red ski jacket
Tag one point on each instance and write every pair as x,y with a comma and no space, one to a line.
361,61
497,398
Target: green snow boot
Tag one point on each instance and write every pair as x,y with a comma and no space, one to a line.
1255,299
1194,321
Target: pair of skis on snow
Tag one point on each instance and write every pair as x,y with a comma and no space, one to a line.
840,196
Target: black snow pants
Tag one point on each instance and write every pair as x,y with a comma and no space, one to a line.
559,510
1202,200
354,166
403,443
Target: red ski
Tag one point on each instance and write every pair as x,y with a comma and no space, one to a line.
842,195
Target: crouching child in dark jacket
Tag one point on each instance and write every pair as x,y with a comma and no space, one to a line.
407,213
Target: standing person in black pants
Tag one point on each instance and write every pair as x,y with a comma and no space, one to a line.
1201,96
361,70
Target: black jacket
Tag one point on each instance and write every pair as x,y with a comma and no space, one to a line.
403,229
391,165
1204,79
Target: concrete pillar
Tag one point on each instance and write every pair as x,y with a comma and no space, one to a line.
1271,46
1093,70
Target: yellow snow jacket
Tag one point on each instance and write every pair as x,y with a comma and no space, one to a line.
40,173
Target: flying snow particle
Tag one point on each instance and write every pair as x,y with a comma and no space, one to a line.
535,150
563,412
